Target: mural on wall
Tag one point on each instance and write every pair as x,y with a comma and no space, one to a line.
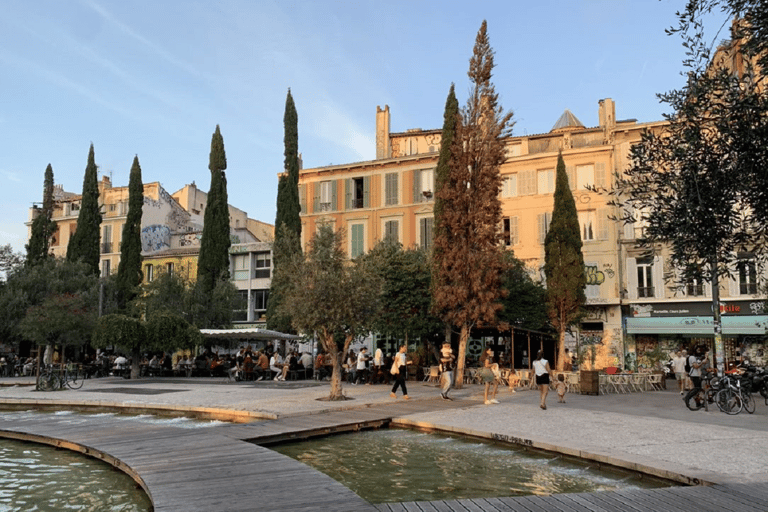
155,238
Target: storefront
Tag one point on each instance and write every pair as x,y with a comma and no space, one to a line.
690,325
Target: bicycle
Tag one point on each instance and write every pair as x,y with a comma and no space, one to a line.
702,396
729,399
51,379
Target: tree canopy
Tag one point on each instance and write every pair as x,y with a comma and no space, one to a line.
129,275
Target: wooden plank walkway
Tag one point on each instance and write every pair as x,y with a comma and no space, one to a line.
211,468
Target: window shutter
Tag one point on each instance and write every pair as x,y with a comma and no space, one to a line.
367,192
513,231
543,221
417,186
659,288
632,278
303,198
334,195
315,197
600,176
347,193
571,172
602,224
629,229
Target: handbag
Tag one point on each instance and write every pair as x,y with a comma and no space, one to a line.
395,369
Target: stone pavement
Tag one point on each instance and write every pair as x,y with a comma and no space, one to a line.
652,429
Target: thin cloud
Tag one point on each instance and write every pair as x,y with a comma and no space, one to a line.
335,126
154,48
12,176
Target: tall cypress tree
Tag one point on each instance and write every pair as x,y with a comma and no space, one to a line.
43,226
287,220
564,262
213,261
84,244
129,270
470,267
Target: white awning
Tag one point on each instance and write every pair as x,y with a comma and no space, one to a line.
702,325
248,334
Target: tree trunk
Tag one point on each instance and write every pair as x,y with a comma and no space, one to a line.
561,350
135,363
461,359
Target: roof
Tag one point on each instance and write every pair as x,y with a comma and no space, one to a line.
567,120
247,334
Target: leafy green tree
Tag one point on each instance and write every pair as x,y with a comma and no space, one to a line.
406,298
525,302
169,332
331,297
288,220
125,332
53,284
468,256
65,319
213,260
43,227
564,263
84,243
9,261
129,275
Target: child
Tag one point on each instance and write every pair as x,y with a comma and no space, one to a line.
513,380
560,386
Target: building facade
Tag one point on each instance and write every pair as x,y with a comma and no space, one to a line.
393,196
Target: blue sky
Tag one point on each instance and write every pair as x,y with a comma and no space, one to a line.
154,79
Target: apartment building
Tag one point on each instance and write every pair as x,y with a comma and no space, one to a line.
393,196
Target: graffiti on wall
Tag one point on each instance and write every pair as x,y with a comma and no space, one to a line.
190,239
155,238
594,276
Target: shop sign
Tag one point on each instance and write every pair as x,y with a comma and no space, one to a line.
673,309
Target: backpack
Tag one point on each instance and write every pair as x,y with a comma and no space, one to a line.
688,364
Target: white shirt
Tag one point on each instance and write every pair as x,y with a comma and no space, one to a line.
361,357
377,359
540,366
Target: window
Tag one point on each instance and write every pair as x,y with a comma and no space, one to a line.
509,231
587,225
149,273
546,181
585,176
262,265
105,267
356,240
392,231
240,309
509,185
169,268
240,267
747,271
390,189
106,239
326,194
423,185
594,280
526,183
357,186
513,150
641,222
260,299
645,277
694,287
425,232
543,221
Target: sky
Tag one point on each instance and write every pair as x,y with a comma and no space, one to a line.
154,79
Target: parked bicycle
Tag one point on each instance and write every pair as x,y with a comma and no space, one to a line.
52,378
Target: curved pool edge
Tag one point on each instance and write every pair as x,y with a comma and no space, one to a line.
668,471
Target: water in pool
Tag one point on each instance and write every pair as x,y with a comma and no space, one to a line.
394,465
36,477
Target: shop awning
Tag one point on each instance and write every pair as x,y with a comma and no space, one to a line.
248,334
754,324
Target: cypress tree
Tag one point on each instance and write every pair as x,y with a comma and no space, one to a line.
468,276
287,220
43,226
129,270
213,261
564,262
84,244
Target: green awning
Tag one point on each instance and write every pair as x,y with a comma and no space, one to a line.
753,324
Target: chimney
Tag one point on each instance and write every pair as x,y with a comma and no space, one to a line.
383,149
607,113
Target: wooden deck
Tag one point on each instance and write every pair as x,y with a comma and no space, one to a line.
211,468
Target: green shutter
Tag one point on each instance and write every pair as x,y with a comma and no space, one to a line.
417,186
367,192
335,195
303,198
315,197
348,193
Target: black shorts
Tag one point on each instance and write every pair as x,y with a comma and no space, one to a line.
542,379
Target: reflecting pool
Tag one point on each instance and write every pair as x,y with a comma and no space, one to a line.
36,477
394,465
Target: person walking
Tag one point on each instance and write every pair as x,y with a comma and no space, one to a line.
399,371
488,375
447,360
542,370
678,366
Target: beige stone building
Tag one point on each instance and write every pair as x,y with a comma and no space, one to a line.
393,196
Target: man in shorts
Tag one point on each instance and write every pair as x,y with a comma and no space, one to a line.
678,366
